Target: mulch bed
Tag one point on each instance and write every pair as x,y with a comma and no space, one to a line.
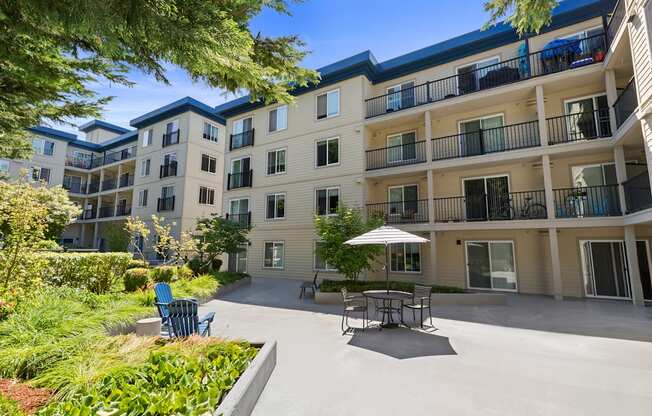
28,398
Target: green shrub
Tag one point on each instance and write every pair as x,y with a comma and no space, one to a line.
362,285
96,272
9,407
197,266
163,274
135,263
184,273
224,278
216,264
136,278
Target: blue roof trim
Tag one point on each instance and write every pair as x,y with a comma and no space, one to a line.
567,13
99,124
177,107
130,136
52,133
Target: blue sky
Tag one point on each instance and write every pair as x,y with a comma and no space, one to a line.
331,29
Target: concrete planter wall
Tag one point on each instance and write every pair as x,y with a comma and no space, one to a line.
242,398
335,298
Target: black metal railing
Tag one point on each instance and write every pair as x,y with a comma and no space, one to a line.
169,169
106,212
74,187
93,187
499,139
400,155
244,139
239,180
400,212
626,103
165,204
170,138
637,192
616,19
568,55
579,126
244,220
79,162
522,205
587,201
126,179
123,210
97,161
108,184
119,155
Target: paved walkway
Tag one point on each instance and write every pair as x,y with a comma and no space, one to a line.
534,356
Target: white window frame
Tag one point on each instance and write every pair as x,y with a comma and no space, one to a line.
142,202
339,152
468,276
275,195
208,191
40,173
285,168
420,271
487,59
327,189
148,137
390,136
168,186
327,269
241,120
40,149
274,244
339,104
582,34
210,136
209,163
145,162
244,198
402,187
269,116
400,93
460,122
235,159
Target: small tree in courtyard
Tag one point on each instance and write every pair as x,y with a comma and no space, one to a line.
218,235
137,231
334,230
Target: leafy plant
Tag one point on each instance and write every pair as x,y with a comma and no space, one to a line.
334,230
164,274
117,239
96,272
524,15
134,263
136,278
10,407
216,236
137,231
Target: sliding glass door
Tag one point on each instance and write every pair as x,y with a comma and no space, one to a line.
490,265
487,198
483,135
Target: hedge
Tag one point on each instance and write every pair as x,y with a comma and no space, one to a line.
136,278
95,272
362,285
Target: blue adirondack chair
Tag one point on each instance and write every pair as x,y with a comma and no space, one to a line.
183,320
164,296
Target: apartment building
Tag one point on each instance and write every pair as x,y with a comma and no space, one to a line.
170,163
522,159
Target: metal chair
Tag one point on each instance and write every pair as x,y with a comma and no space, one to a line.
309,285
420,301
183,319
353,304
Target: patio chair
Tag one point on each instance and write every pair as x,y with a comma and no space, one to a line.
420,301
184,321
309,285
163,294
353,304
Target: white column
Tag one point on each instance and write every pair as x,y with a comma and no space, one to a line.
431,197
557,287
95,226
117,185
547,186
646,126
621,175
433,256
115,204
428,136
612,96
541,115
632,266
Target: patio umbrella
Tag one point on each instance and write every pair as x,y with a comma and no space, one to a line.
385,235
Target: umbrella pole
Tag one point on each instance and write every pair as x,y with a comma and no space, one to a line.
387,266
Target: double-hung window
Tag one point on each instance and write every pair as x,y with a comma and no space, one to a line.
208,163
328,104
278,119
276,161
274,255
328,152
148,137
142,198
405,257
40,174
144,167
43,147
206,195
327,200
275,206
210,132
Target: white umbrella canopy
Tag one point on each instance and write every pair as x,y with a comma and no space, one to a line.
385,235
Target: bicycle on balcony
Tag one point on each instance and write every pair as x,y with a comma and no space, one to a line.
530,210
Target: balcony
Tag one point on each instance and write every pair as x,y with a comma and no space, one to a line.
165,204
93,187
170,138
119,155
244,139
79,162
74,187
615,21
108,184
400,212
587,201
244,220
562,57
239,180
87,214
123,210
523,205
499,139
400,155
626,103
637,192
579,126
106,212
126,179
168,170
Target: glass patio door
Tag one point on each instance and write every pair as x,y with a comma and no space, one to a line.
596,198
486,198
401,147
400,96
490,265
403,200
239,168
238,261
605,269
482,136
584,122
239,208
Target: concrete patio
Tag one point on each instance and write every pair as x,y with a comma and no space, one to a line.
534,356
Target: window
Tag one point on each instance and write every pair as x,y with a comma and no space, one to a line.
401,147
276,161
169,159
4,167
400,96
278,119
210,132
43,147
403,199
167,191
275,206
148,137
405,257
328,104
492,138
206,196
274,255
588,117
328,152
40,174
144,167
142,198
208,163
471,77
242,125
491,265
321,264
327,199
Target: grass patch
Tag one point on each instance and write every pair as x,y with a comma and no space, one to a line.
330,286
225,278
10,407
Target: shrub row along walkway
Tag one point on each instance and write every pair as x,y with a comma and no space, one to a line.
534,356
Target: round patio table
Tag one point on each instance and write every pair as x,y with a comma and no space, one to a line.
388,297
